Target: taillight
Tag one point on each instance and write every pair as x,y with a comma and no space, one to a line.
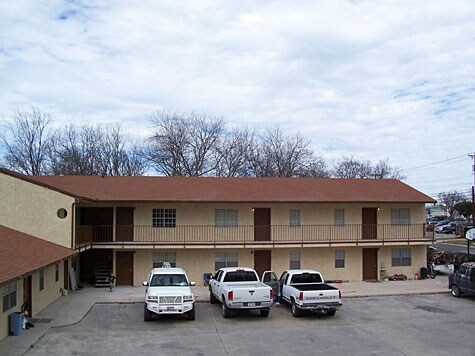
271,294
301,296
230,296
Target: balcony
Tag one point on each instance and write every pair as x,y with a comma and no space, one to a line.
244,236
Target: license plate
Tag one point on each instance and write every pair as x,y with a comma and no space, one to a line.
170,309
251,304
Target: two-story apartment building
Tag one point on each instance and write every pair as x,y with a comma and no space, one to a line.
349,229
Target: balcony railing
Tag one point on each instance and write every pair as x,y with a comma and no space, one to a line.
244,235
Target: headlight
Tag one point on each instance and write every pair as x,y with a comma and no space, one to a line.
152,298
187,298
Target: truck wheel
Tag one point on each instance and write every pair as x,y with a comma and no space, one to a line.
190,315
147,314
455,291
226,310
212,298
296,312
331,312
264,312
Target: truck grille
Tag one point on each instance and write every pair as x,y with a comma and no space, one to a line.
170,300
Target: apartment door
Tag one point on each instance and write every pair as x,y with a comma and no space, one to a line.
370,264
27,297
369,223
66,274
124,267
124,218
99,222
262,224
262,261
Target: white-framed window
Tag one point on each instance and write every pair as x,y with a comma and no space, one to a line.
339,217
294,217
9,296
42,278
225,217
158,258
294,260
225,259
401,257
164,218
400,216
56,272
339,258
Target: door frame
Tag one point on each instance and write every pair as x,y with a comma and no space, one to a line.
370,264
124,268
264,261
262,224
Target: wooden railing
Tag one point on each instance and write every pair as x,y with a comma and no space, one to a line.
279,234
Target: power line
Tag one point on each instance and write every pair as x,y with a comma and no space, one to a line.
435,164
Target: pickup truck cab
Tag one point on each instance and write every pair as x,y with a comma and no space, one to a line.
240,288
463,280
168,292
305,290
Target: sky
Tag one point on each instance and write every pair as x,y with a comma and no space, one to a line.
370,79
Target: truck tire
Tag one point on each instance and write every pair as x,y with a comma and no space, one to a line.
226,310
455,291
331,312
190,315
296,312
147,314
212,298
264,312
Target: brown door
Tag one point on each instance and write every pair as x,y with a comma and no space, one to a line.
27,298
262,261
125,224
369,223
370,264
124,267
261,224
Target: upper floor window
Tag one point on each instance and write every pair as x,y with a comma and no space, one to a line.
226,217
159,258
164,218
339,217
400,216
9,296
401,257
294,217
225,259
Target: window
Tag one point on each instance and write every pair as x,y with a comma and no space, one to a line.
294,260
9,296
400,216
164,218
339,217
56,272
158,258
294,217
339,258
42,279
225,259
226,217
401,257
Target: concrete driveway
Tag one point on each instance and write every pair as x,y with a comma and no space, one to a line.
392,325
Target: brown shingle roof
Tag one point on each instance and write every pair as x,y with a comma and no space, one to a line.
234,190
21,254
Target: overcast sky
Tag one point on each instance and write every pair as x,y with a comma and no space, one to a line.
369,79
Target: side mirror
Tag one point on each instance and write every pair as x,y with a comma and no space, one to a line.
145,284
192,284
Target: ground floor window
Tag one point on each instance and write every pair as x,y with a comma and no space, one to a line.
295,260
42,278
56,272
225,259
159,258
9,296
339,258
401,257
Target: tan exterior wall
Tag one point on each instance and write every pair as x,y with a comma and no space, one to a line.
40,299
32,209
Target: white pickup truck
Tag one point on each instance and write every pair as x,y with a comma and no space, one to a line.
305,290
168,292
240,288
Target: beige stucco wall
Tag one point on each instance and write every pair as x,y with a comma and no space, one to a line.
32,209
40,299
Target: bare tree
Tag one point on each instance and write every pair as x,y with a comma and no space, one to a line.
27,142
450,200
348,167
184,145
383,170
233,152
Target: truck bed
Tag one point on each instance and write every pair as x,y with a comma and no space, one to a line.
313,286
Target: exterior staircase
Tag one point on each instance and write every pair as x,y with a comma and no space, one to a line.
103,269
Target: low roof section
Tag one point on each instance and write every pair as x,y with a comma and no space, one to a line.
21,254
231,190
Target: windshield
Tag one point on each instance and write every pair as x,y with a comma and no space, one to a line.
306,278
168,280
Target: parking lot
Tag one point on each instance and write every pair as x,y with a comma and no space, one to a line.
394,325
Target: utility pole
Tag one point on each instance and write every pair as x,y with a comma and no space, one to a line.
472,155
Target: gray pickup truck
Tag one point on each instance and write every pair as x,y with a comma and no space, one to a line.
463,280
